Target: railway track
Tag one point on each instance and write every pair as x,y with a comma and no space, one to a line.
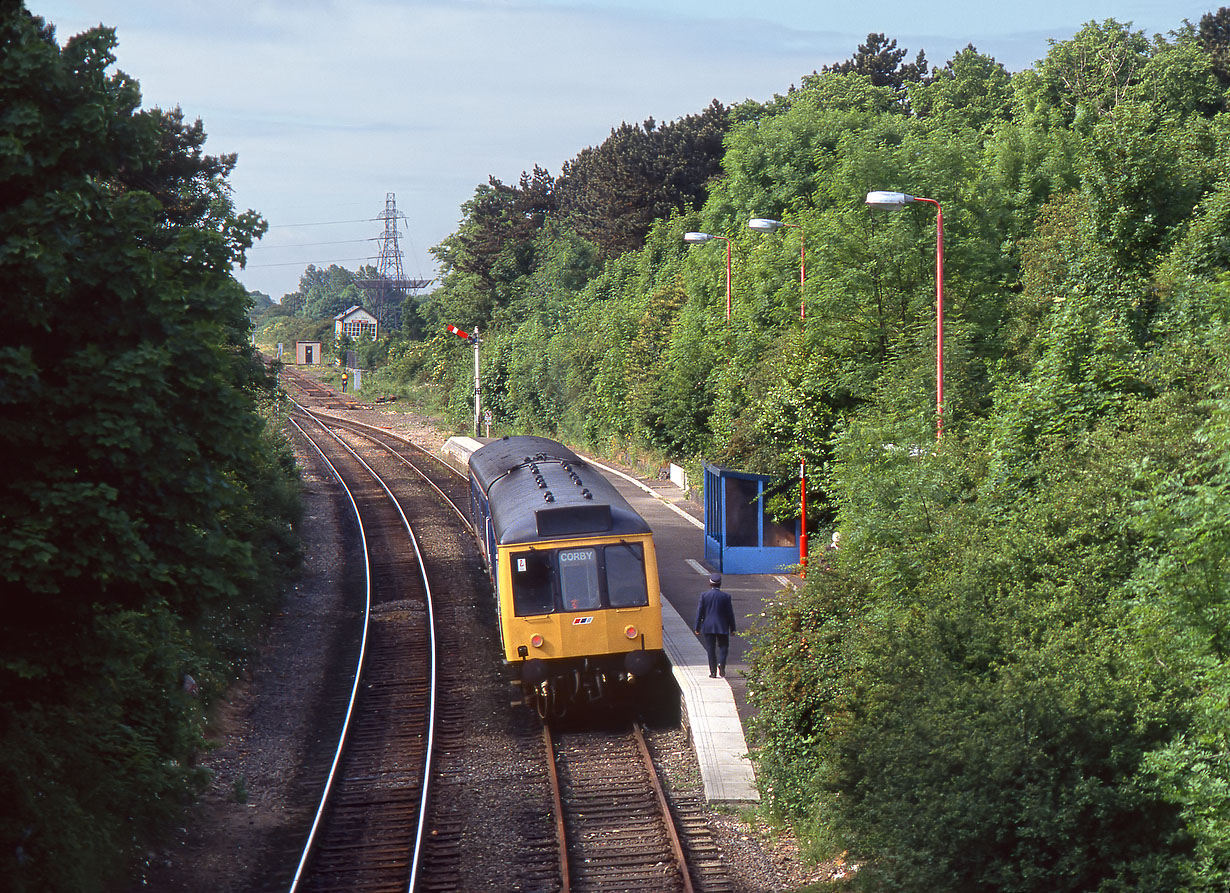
446,483
369,825
432,497
319,396
615,821
467,841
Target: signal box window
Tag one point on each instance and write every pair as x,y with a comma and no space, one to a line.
531,580
578,579
625,576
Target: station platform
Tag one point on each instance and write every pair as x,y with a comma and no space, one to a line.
716,709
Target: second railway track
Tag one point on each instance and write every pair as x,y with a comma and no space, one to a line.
489,815
366,830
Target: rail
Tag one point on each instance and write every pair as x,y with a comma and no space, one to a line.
432,661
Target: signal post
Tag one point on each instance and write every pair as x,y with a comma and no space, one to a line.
475,341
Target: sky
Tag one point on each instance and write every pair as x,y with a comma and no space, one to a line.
333,105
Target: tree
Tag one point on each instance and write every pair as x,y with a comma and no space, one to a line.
1089,74
970,91
146,512
261,304
611,194
189,185
1215,39
324,293
1144,172
493,250
880,60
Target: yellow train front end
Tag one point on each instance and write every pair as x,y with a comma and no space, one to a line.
575,573
581,613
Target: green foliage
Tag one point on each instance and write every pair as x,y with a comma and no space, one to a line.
261,304
148,503
1085,77
773,162
980,694
1144,173
1180,591
286,330
971,91
494,248
1214,37
97,766
1011,675
323,294
1022,631
880,60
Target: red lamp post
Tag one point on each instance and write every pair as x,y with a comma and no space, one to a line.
895,201
766,225
705,237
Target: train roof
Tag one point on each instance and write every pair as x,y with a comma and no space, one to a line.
538,489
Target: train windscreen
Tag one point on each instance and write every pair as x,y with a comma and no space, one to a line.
625,575
532,590
578,579
585,578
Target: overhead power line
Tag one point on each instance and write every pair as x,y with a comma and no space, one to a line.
315,263
313,244
324,223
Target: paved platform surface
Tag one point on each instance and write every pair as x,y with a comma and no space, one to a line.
716,708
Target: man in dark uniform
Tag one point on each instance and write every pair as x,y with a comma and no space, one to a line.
715,621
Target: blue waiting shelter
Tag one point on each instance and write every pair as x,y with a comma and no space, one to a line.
739,537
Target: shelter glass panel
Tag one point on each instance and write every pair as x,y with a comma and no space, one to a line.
742,512
713,501
778,534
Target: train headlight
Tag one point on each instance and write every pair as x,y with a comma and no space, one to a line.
630,632
536,640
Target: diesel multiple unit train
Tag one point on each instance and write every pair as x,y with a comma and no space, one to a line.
574,571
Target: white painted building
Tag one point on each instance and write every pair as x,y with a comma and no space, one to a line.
355,323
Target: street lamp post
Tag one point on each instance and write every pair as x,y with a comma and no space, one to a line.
766,225
705,237
895,201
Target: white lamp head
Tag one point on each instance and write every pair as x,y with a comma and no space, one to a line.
764,224
697,237
891,201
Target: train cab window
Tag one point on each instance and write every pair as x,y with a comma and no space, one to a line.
578,579
531,583
625,575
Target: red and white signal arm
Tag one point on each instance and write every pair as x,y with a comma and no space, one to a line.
458,332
